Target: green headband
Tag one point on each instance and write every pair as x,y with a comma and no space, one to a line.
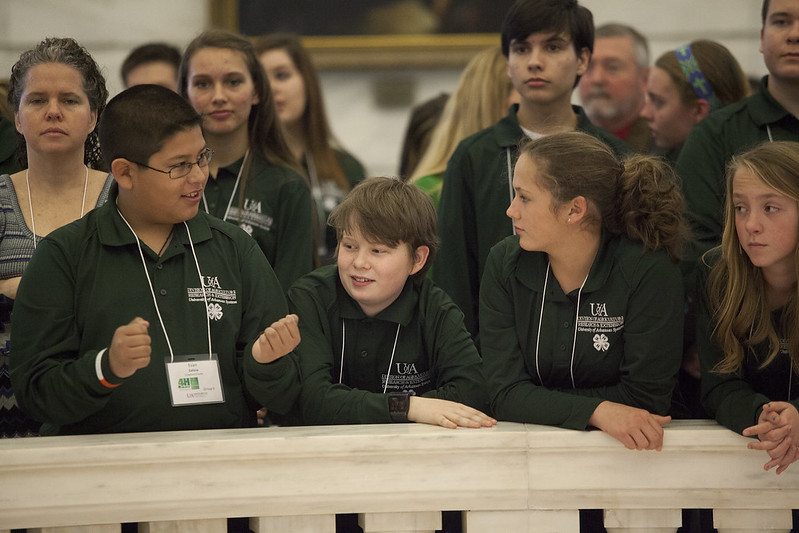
697,80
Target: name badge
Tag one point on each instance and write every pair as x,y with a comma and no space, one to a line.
194,380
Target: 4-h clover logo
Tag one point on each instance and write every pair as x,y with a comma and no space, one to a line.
214,311
601,343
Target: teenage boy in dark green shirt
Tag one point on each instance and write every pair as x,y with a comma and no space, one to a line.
146,315
548,44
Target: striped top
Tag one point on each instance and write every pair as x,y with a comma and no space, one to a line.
16,238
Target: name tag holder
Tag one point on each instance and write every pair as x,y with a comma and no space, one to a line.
194,379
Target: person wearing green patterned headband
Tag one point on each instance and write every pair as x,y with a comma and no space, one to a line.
770,114
685,85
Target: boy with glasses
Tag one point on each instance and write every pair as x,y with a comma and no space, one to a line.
147,315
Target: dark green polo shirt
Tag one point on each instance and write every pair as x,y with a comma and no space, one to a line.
474,198
736,400
628,343
434,356
86,279
276,211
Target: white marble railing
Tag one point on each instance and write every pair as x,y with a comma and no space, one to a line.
511,478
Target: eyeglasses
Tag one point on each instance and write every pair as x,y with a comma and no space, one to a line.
182,170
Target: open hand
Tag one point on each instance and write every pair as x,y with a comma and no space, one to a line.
446,413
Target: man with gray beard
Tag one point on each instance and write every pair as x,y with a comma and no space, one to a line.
613,90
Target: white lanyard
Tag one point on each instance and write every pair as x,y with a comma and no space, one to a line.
152,292
235,186
391,362
30,202
574,338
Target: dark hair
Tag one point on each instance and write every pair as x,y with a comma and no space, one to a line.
65,51
764,11
150,53
138,121
638,197
389,211
526,17
315,128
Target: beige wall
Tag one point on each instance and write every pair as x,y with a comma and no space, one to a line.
110,28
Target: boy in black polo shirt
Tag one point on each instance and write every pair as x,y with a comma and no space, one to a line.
146,315
381,343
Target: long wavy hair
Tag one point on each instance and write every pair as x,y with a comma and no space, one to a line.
736,286
316,131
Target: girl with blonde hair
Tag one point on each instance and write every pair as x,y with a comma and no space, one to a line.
482,98
748,336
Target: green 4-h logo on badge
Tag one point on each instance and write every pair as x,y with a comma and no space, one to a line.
188,383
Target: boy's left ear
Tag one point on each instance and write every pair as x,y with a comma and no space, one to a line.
420,256
123,172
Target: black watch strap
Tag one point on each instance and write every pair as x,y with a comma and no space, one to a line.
398,404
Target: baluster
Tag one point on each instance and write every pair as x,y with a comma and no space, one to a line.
420,522
752,520
213,525
643,520
97,528
296,524
522,521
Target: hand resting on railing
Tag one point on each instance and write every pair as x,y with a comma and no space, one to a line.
446,413
637,429
777,429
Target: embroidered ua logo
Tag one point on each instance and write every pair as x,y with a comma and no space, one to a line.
601,343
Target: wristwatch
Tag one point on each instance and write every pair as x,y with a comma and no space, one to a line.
398,404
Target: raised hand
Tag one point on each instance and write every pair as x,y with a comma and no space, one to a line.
277,340
130,348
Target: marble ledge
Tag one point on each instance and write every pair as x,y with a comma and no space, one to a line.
376,469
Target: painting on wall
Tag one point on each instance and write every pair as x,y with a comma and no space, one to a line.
371,17
342,33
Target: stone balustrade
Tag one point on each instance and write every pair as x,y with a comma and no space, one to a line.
511,478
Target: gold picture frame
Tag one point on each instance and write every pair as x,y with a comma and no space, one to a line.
375,51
